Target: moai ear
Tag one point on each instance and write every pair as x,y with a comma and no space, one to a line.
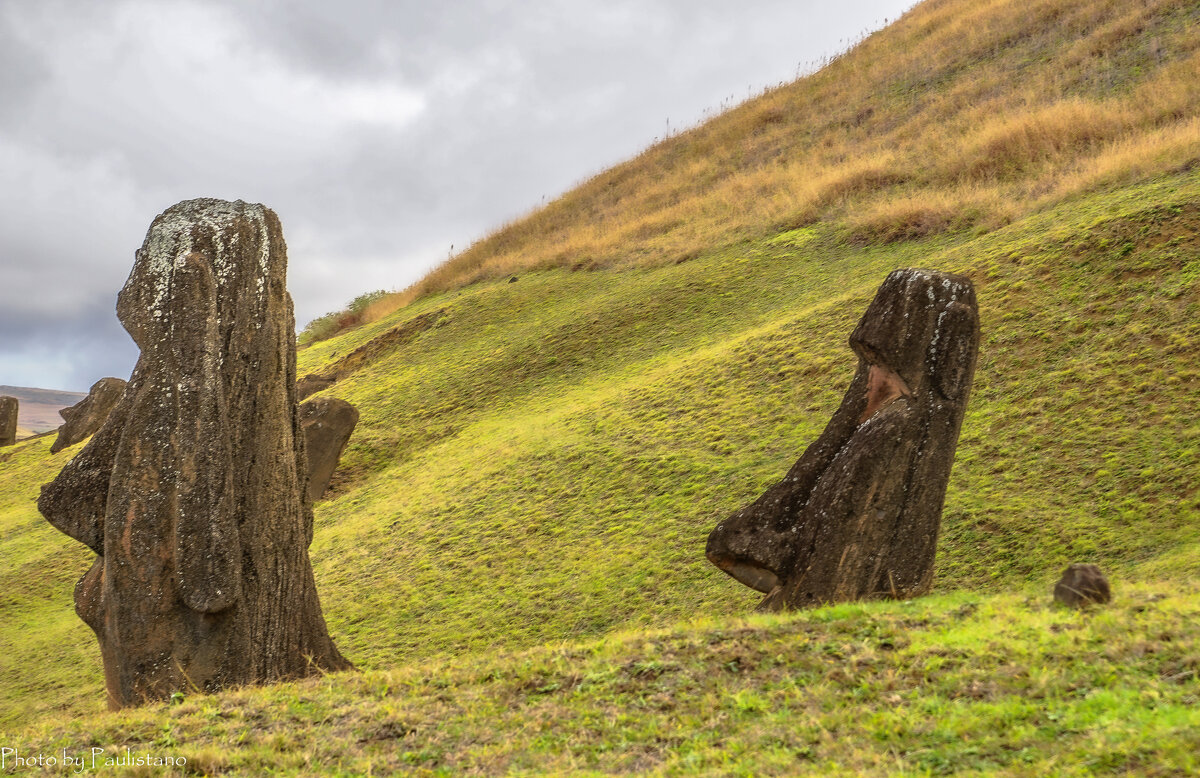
207,547
953,350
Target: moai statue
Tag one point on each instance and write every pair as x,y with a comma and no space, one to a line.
858,515
191,493
8,420
86,416
327,423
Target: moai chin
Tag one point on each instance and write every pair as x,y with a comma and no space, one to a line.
191,493
858,515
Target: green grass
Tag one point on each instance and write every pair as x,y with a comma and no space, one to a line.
952,684
547,463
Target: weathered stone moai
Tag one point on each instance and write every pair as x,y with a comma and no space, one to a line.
86,416
1082,585
858,515
192,490
327,423
9,407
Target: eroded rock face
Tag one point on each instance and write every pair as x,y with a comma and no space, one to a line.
191,491
858,515
1082,585
8,420
327,423
86,416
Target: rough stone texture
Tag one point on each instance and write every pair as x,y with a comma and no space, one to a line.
1082,585
858,515
310,385
327,423
83,418
8,420
191,491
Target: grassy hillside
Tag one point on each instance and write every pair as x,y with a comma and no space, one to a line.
542,460
962,113
539,462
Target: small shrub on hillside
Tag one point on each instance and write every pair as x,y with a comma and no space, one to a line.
325,327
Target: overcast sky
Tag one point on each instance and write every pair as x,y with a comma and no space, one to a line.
380,131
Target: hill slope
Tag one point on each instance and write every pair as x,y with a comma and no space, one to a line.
962,113
540,461
543,460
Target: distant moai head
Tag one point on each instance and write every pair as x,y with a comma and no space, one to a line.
858,514
86,416
192,492
9,407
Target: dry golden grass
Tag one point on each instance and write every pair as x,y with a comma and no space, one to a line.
962,114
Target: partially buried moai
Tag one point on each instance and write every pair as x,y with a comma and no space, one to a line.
86,416
327,423
858,515
192,490
9,407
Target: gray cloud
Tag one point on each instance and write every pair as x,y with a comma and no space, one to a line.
380,131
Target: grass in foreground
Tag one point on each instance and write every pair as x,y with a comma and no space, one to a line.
953,684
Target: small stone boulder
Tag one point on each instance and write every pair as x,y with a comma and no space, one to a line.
1082,585
327,423
8,420
83,418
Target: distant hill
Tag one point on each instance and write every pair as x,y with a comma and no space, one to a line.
39,408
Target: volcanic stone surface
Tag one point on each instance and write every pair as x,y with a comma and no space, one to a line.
191,493
86,416
1082,585
327,423
858,515
8,420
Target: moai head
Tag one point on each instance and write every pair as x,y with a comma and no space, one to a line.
858,514
8,420
913,333
86,416
192,490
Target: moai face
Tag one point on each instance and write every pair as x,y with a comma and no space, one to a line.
858,514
